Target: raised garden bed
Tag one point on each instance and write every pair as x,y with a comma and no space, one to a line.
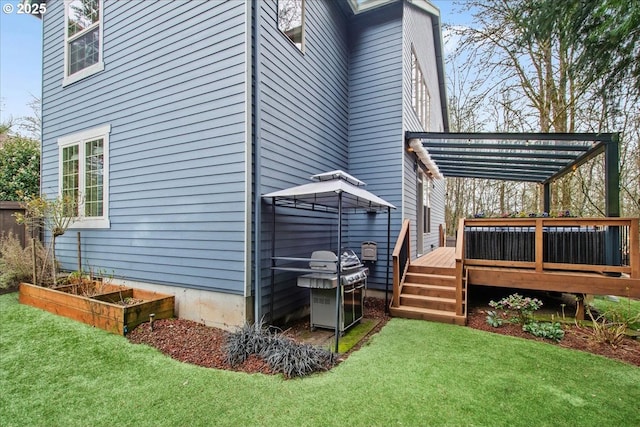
116,309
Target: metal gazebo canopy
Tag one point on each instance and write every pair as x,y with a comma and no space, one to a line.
530,157
323,194
332,191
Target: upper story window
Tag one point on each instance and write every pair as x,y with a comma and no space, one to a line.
83,39
421,100
83,168
291,21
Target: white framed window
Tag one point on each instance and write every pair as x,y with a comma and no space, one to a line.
83,36
420,98
426,201
291,21
84,175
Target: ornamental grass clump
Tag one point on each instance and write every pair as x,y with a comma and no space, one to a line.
281,353
16,262
610,327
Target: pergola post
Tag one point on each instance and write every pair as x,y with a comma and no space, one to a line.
612,198
546,197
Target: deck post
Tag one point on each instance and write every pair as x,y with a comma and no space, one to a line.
580,307
539,247
612,199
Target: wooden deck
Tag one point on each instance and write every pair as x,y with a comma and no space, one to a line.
439,257
528,278
434,286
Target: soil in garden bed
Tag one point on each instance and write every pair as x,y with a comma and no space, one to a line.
204,346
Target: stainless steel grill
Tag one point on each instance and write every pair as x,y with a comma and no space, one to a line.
353,278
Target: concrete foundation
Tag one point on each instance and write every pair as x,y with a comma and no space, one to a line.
217,309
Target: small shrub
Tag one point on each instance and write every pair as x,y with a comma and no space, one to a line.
493,318
281,353
517,309
549,330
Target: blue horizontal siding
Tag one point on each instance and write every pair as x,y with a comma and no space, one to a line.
303,131
375,127
418,34
173,91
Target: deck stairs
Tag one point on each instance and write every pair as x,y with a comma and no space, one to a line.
429,293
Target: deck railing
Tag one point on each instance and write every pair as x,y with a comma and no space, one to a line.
461,283
605,245
401,259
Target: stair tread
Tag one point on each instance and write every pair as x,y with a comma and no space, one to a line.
437,276
429,286
429,314
425,310
428,298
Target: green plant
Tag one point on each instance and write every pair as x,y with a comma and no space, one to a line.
493,318
550,330
19,166
517,309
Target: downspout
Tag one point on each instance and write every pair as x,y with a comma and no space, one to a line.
257,152
386,289
339,270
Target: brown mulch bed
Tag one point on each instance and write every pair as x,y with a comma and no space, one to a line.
201,345
194,343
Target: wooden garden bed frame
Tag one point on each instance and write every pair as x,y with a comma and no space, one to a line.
102,310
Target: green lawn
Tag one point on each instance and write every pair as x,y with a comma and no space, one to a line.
57,372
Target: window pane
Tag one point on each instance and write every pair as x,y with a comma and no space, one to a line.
94,177
290,20
70,176
84,51
82,14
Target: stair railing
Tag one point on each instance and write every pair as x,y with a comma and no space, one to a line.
461,282
401,257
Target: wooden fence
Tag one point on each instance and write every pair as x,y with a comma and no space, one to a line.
8,222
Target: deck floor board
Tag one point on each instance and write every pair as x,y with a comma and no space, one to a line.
440,257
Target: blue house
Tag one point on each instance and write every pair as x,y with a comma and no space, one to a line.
168,121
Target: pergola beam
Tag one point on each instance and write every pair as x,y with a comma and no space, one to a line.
511,136
498,176
548,164
506,154
599,148
518,168
495,146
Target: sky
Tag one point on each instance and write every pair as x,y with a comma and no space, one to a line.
21,56
20,61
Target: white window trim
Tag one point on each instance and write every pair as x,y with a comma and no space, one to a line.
85,72
79,139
